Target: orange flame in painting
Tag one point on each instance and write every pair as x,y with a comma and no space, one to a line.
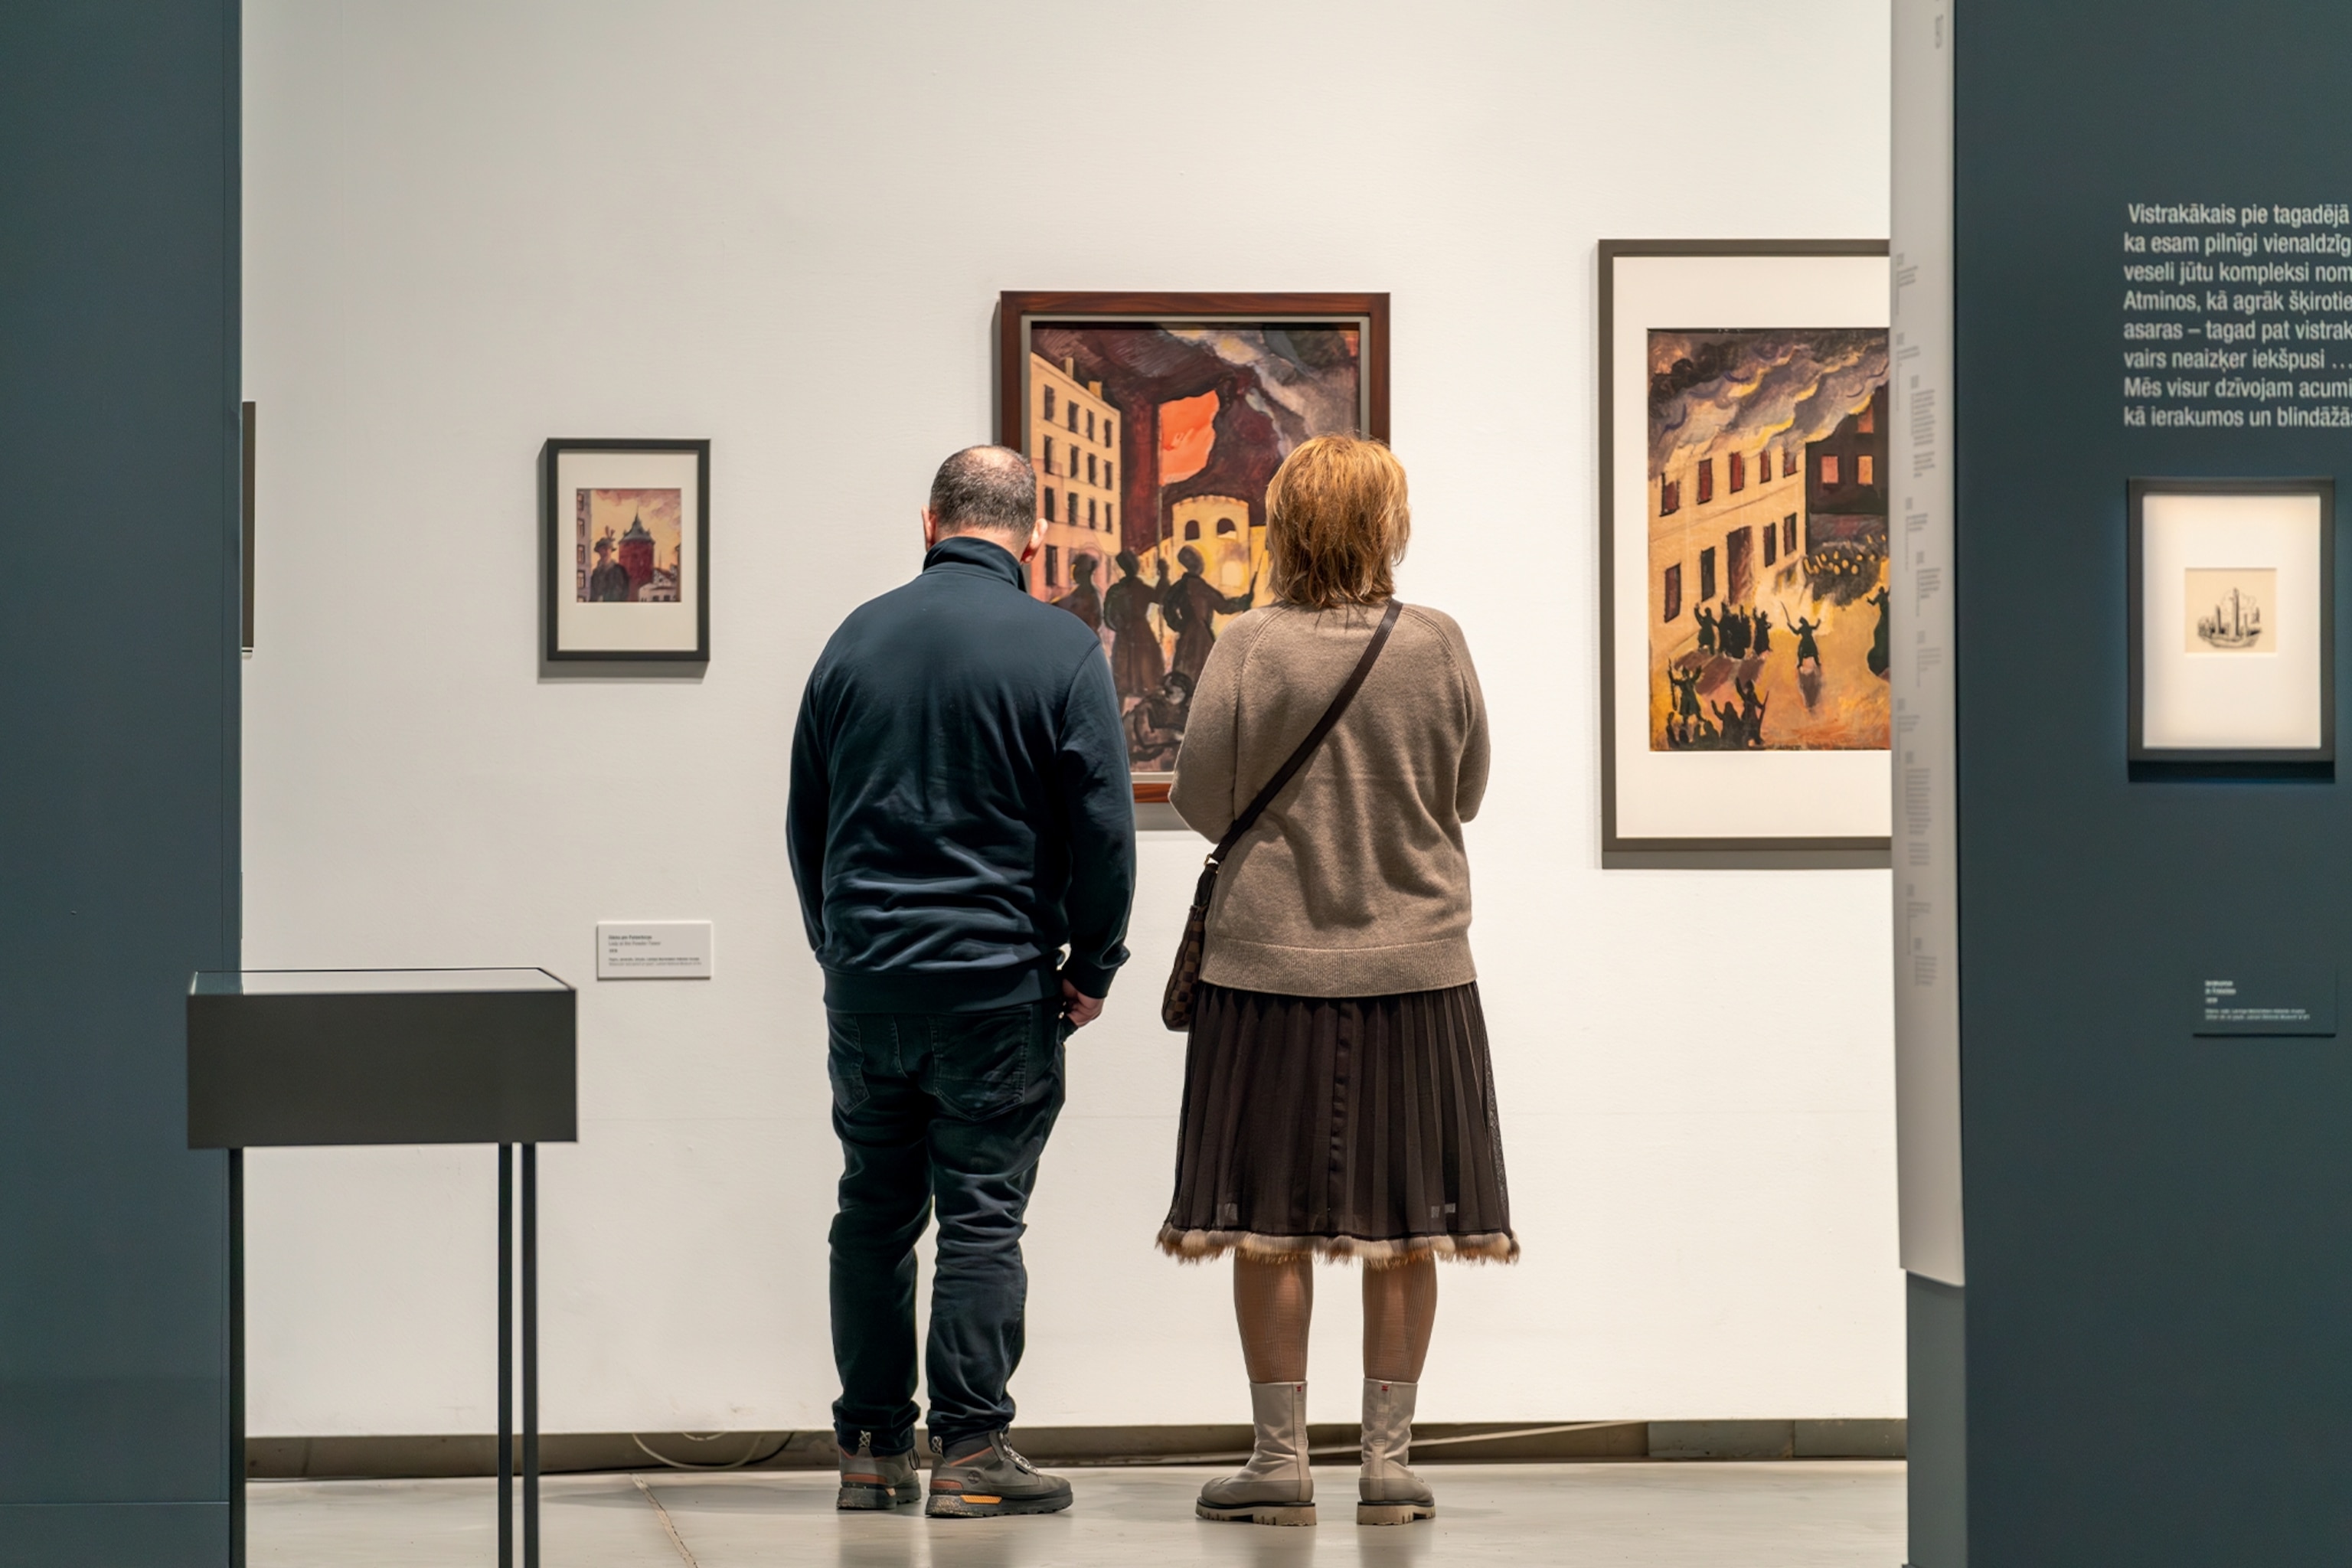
1187,428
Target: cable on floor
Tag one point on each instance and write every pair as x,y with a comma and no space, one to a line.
753,1458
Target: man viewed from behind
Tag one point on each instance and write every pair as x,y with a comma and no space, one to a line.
961,812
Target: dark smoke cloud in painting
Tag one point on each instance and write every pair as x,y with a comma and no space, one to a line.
1719,391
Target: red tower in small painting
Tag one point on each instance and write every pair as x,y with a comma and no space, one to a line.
637,556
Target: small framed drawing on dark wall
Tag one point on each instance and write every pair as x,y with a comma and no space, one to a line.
1154,422
626,550
2233,638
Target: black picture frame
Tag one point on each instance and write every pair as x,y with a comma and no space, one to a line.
1738,852
2208,760
554,553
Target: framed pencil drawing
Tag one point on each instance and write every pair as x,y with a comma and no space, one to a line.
2233,635
1154,422
626,550
1745,489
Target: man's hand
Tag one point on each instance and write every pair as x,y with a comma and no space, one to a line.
1080,1009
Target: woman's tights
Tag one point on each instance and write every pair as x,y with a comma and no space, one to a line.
1274,1303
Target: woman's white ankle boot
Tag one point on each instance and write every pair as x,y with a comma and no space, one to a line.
1276,1486
1386,1492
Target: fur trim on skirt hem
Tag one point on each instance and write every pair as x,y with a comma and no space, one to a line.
1200,1246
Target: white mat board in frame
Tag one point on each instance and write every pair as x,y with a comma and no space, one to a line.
1670,785
2233,635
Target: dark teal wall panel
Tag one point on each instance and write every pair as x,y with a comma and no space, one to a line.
118,766
111,1535
1937,1434
2157,1225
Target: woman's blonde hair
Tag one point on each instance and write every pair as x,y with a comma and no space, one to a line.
1337,521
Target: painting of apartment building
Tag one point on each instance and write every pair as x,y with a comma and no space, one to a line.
1768,540
1153,443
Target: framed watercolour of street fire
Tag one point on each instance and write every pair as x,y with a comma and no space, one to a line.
2233,638
1154,422
1746,494
627,549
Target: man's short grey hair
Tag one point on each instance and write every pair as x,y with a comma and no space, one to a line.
985,489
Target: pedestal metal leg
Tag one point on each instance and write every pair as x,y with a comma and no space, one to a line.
237,1358
506,1355
530,1355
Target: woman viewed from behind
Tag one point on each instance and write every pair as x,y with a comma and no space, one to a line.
1338,1097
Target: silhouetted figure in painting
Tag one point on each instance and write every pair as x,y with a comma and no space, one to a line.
1685,685
1752,704
1878,660
609,584
1137,664
1734,734
1187,607
1808,648
1763,632
1155,726
1083,601
1706,618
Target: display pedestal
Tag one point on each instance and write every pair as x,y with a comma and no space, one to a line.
311,1057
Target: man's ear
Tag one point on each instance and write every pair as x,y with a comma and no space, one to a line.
1037,541
930,529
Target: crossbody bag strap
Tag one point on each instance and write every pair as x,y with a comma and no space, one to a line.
1323,726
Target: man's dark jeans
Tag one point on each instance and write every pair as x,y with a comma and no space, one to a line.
951,1110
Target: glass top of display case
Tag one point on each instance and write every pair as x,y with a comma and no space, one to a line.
368,982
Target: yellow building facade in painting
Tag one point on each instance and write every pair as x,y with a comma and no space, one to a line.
1725,531
1232,552
1074,444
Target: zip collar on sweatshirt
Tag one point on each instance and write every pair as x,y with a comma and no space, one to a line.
978,555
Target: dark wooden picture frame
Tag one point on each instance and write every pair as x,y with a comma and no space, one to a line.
2250,759
1020,311
556,549
1617,848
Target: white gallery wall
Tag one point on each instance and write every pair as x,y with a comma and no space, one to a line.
472,226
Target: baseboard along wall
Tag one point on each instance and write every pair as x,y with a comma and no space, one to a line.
413,1457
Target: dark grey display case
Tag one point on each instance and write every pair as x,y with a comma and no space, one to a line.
320,1057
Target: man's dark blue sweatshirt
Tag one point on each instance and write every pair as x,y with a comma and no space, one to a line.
960,807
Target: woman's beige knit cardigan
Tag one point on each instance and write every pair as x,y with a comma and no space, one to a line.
1354,883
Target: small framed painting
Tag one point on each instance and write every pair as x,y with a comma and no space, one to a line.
1154,422
1744,492
627,549
2232,630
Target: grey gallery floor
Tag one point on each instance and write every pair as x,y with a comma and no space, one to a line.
1802,1514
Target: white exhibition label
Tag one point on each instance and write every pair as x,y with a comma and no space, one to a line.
653,950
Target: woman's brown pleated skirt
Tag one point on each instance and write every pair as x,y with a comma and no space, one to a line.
1349,1127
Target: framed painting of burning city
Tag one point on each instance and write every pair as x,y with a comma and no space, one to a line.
1745,501
627,549
2233,636
1154,422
